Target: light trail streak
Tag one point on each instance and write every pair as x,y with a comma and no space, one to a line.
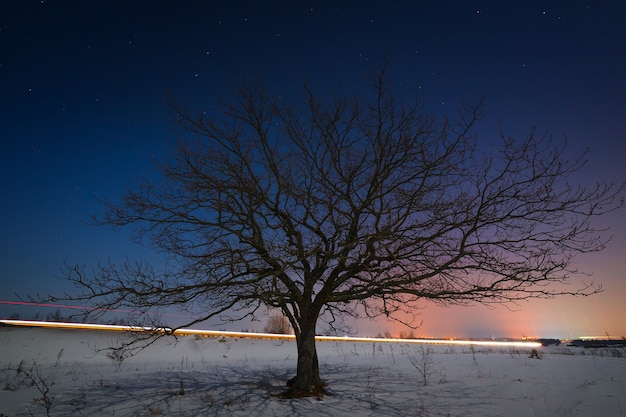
217,333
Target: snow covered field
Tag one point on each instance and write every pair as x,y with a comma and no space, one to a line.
60,374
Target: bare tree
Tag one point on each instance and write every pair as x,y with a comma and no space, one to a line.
356,206
277,324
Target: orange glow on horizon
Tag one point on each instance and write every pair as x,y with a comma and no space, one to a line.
564,318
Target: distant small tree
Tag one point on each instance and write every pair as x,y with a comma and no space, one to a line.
356,205
56,316
409,335
277,324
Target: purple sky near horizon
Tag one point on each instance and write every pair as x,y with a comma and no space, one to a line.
83,90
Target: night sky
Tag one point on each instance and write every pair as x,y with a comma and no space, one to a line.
84,85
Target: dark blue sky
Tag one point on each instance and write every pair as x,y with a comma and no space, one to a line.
83,86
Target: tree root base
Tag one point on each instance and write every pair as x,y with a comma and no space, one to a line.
316,391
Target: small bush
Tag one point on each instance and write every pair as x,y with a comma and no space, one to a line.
277,324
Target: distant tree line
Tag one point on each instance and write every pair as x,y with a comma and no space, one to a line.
57,316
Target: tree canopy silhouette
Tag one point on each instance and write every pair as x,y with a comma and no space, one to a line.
356,205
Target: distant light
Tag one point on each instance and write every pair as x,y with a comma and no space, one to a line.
604,337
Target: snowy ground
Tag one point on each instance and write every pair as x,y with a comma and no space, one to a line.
61,375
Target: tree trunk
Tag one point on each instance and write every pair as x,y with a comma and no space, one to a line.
307,382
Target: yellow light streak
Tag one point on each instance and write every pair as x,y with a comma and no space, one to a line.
217,333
